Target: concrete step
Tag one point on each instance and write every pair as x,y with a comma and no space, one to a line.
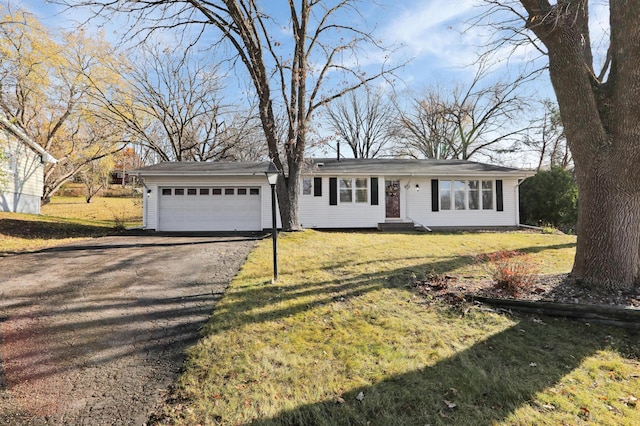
396,226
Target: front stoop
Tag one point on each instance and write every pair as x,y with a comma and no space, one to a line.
399,227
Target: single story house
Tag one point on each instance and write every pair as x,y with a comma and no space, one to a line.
22,164
345,193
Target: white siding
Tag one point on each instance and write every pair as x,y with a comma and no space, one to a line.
315,212
24,177
415,205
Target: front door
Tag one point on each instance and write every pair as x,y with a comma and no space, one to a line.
392,199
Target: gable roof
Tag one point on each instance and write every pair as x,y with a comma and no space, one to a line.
15,131
345,166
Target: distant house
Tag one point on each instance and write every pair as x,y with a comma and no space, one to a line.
350,193
126,160
23,170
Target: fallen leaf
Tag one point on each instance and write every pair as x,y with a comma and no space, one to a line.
631,401
450,405
360,396
340,400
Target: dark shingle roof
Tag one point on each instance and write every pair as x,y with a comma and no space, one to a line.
409,167
331,166
221,168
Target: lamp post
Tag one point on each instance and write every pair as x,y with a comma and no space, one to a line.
272,176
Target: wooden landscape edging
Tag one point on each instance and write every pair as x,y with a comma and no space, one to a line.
610,315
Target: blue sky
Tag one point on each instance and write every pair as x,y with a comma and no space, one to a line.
431,33
435,34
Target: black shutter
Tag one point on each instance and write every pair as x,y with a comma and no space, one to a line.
374,191
435,205
499,199
317,187
333,191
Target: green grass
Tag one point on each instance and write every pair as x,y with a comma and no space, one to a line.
343,321
64,220
103,210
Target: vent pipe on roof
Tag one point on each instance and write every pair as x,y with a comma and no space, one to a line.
338,151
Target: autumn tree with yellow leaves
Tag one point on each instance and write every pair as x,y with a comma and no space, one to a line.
46,84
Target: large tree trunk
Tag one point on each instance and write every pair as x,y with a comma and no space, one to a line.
608,250
602,126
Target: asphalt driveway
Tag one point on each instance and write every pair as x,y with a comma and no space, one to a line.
94,333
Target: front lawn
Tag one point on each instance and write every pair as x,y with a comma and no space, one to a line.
64,220
343,338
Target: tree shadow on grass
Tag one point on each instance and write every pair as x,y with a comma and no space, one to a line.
481,385
246,305
42,229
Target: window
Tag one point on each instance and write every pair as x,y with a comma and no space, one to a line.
166,191
242,191
229,191
487,194
192,191
346,190
254,191
361,190
8,162
463,195
459,194
354,190
204,191
216,191
445,195
473,192
178,191
307,186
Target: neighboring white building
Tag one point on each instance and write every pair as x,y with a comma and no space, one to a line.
350,193
23,170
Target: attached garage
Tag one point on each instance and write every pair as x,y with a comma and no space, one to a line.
206,196
210,208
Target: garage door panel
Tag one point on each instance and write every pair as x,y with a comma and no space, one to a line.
210,209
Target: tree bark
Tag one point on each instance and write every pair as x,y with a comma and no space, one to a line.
602,128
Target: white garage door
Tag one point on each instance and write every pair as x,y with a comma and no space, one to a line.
210,209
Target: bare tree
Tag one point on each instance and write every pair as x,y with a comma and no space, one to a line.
288,69
481,118
599,109
424,129
547,139
172,105
363,119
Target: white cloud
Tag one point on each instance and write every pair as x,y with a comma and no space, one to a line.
432,27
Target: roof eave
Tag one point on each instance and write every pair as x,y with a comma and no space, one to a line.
44,155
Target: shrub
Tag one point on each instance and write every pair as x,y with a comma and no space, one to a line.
551,198
511,270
